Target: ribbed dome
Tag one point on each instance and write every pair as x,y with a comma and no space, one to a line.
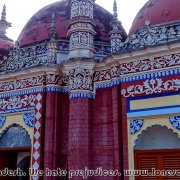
38,27
157,12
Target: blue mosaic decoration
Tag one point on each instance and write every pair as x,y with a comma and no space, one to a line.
29,119
175,121
2,120
136,125
74,95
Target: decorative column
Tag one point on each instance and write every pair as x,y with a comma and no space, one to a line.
80,76
115,34
53,44
81,29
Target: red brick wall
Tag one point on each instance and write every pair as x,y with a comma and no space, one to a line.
89,133
106,131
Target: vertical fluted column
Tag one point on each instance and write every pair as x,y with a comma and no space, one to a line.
81,29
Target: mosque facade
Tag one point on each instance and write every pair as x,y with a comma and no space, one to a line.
78,93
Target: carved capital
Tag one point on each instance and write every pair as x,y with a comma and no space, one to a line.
80,79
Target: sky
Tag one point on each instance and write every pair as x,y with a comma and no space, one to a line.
20,11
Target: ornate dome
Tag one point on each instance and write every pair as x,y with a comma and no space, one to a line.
157,12
38,27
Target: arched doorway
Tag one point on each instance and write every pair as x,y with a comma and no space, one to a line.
14,143
157,151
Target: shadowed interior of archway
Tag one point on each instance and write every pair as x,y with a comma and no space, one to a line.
157,137
15,136
15,151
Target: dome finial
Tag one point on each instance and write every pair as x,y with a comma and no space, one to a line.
115,34
3,14
115,15
4,25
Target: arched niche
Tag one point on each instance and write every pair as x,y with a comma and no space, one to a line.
157,137
14,136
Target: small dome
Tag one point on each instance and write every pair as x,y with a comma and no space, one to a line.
38,27
5,48
157,12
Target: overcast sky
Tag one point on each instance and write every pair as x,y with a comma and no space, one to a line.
20,11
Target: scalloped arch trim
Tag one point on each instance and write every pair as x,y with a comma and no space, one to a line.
153,137
22,133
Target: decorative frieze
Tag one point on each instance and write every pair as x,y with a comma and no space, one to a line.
153,63
22,84
17,102
23,58
136,125
142,69
152,86
175,121
107,74
151,36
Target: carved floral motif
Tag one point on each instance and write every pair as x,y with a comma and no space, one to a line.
150,36
170,60
29,119
150,64
136,125
25,58
21,84
2,120
17,102
81,8
116,43
107,74
80,79
81,40
175,121
152,86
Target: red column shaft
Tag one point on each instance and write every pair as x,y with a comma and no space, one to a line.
51,120
117,131
79,135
